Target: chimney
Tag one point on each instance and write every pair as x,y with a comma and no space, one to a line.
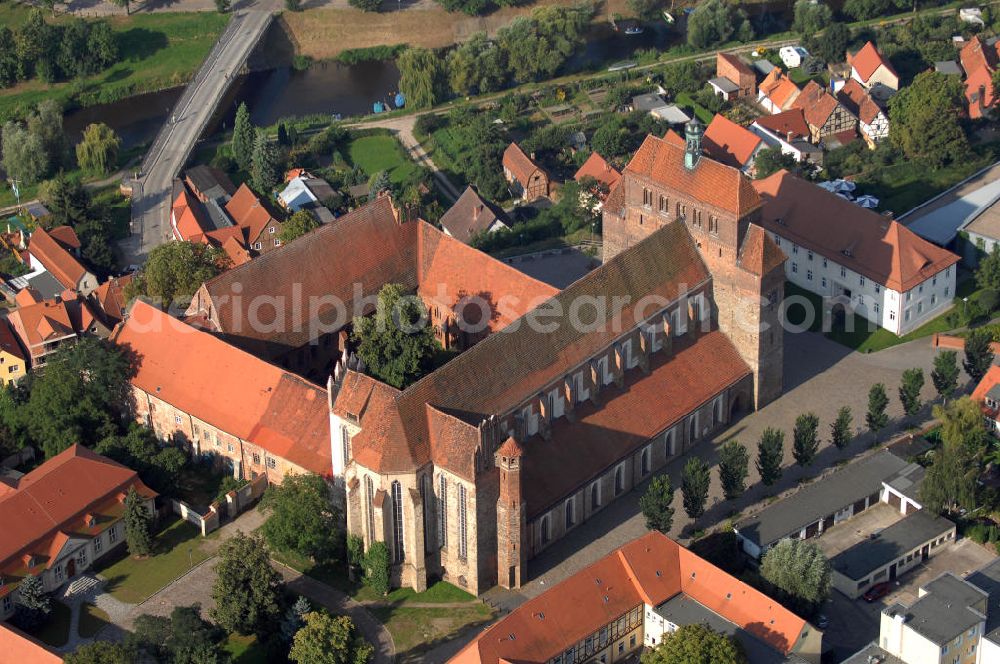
476,211
693,131
788,135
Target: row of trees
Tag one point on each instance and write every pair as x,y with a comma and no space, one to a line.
529,49
255,154
36,148
55,51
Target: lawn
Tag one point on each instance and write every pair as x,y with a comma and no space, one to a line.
863,338
176,549
685,101
158,50
92,621
417,630
382,152
333,575
903,186
55,631
245,650
440,592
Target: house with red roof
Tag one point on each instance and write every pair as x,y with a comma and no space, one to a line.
987,395
13,359
472,215
219,401
44,326
260,227
194,220
777,92
789,131
873,71
734,78
62,517
979,60
604,174
856,258
528,180
729,143
58,252
828,119
632,599
873,120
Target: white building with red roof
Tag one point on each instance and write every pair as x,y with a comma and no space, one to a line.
731,144
857,258
873,70
62,517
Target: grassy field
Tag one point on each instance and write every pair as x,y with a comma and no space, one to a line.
92,621
685,101
903,186
382,153
176,549
416,630
158,51
245,650
439,593
55,631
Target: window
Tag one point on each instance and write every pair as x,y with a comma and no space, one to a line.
644,461
60,573
277,242
809,275
256,459
271,230
8,604
824,263
809,255
823,282
570,509
619,479
933,300
693,427
713,225
843,273
218,440
270,462
669,444
113,534
946,289
861,280
795,268
876,307
426,492
463,545
397,522
909,294
777,239
647,197
257,246
544,530
98,544
177,420
229,447
595,495
370,499
878,289
345,439
664,204
81,558
442,511
795,248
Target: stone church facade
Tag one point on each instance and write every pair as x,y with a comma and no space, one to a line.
473,470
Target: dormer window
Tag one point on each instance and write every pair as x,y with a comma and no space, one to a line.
90,520
846,252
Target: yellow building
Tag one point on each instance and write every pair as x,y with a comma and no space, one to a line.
13,366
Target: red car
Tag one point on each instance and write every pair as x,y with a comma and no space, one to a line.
878,591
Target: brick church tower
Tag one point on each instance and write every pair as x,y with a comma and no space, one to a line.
511,522
670,181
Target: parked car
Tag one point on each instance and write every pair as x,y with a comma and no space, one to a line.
877,592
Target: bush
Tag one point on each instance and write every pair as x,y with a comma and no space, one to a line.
377,568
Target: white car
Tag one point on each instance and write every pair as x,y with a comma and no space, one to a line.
792,56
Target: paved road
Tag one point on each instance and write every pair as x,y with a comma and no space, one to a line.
821,376
173,145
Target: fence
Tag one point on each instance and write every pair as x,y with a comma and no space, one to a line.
951,342
233,503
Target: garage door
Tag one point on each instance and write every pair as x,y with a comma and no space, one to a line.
812,529
859,506
895,500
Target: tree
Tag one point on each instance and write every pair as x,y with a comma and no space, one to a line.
33,603
379,183
714,22
696,643
734,465
924,119
831,44
247,590
953,477
876,418
297,225
656,504
770,454
695,481
611,139
98,151
100,652
158,465
367,5
244,135
978,354
137,525
301,518
33,44
805,441
840,428
24,156
396,344
223,6
295,618
265,169
811,17
183,638
329,640
46,122
293,5
175,270
909,391
772,160
799,569
422,77
945,374
862,10
376,565
646,10
8,58
476,66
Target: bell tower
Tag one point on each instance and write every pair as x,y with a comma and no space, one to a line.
511,558
693,132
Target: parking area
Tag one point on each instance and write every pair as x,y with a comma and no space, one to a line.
857,529
961,558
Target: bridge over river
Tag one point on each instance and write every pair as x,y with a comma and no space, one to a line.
173,145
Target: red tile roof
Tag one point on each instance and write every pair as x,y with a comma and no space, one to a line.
649,570
780,89
55,497
868,60
66,236
599,169
110,298
979,91
249,212
234,391
519,164
730,143
725,187
816,103
977,55
864,241
989,381
792,122
8,341
53,256
734,61
471,214
40,323
186,213
759,254
856,99
24,649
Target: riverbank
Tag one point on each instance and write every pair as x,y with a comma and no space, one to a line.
158,51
